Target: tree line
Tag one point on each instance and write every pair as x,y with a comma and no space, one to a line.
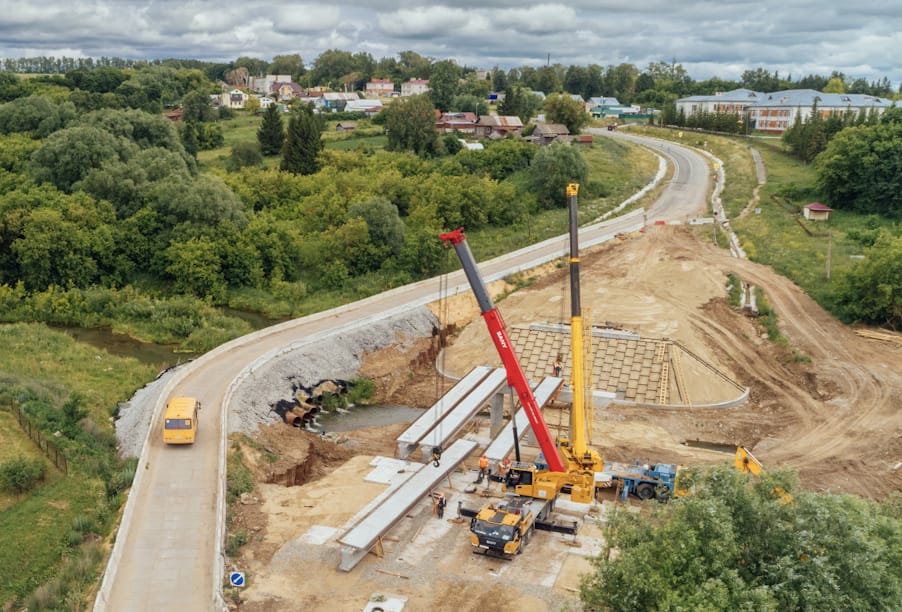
653,85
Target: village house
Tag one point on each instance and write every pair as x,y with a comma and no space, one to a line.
263,85
464,123
334,101
493,126
367,107
345,126
234,99
380,88
777,111
414,87
817,212
285,90
546,133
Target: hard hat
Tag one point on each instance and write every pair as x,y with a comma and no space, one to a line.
484,457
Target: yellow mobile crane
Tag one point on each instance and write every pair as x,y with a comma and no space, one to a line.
572,465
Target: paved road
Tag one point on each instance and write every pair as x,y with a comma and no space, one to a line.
689,187
167,554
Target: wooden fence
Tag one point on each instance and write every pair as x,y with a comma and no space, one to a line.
47,446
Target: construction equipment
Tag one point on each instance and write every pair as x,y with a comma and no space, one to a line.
504,530
745,461
661,481
570,465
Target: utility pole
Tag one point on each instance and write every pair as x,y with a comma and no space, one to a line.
829,249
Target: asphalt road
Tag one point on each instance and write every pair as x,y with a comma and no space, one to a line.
168,552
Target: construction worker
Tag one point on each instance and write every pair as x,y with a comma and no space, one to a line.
504,468
483,467
440,503
557,367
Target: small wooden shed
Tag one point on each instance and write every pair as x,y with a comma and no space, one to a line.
817,211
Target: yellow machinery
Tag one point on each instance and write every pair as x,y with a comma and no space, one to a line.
745,461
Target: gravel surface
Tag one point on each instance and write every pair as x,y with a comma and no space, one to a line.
135,415
336,357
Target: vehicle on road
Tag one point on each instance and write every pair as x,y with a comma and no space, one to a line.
180,420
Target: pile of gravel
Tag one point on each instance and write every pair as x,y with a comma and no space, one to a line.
336,357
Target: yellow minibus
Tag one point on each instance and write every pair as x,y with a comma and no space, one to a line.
180,420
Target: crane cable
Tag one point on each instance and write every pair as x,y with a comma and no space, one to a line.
438,345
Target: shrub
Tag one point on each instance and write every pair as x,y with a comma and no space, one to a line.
20,475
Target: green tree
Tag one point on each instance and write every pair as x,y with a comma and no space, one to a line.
561,108
410,125
20,475
68,155
859,170
197,107
468,103
383,222
835,85
73,412
39,115
303,143
552,169
519,102
444,84
271,134
731,544
871,292
244,154
195,268
291,64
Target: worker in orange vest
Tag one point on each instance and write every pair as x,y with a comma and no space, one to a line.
483,467
440,503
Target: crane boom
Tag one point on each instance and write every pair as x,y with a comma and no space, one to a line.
516,378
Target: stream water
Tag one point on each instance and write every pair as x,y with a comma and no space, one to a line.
162,355
359,417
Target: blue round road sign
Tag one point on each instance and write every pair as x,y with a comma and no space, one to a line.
236,579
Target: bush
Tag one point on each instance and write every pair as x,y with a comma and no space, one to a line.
21,475
244,154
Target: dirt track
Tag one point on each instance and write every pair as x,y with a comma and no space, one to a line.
835,419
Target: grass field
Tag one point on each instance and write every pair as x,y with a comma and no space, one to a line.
36,531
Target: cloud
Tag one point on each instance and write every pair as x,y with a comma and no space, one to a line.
709,37
421,22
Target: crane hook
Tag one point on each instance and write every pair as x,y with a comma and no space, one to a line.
436,455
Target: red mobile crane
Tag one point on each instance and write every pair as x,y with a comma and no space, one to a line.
575,465
516,378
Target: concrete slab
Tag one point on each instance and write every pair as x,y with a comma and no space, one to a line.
410,437
454,421
379,517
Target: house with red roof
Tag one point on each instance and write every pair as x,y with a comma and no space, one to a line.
816,211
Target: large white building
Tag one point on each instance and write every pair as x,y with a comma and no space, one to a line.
777,111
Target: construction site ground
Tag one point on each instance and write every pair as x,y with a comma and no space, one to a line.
826,405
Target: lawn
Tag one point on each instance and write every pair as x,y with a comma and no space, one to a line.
42,530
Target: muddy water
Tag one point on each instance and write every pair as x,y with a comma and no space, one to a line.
121,345
146,352
367,416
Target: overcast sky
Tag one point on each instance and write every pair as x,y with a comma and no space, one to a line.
709,38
